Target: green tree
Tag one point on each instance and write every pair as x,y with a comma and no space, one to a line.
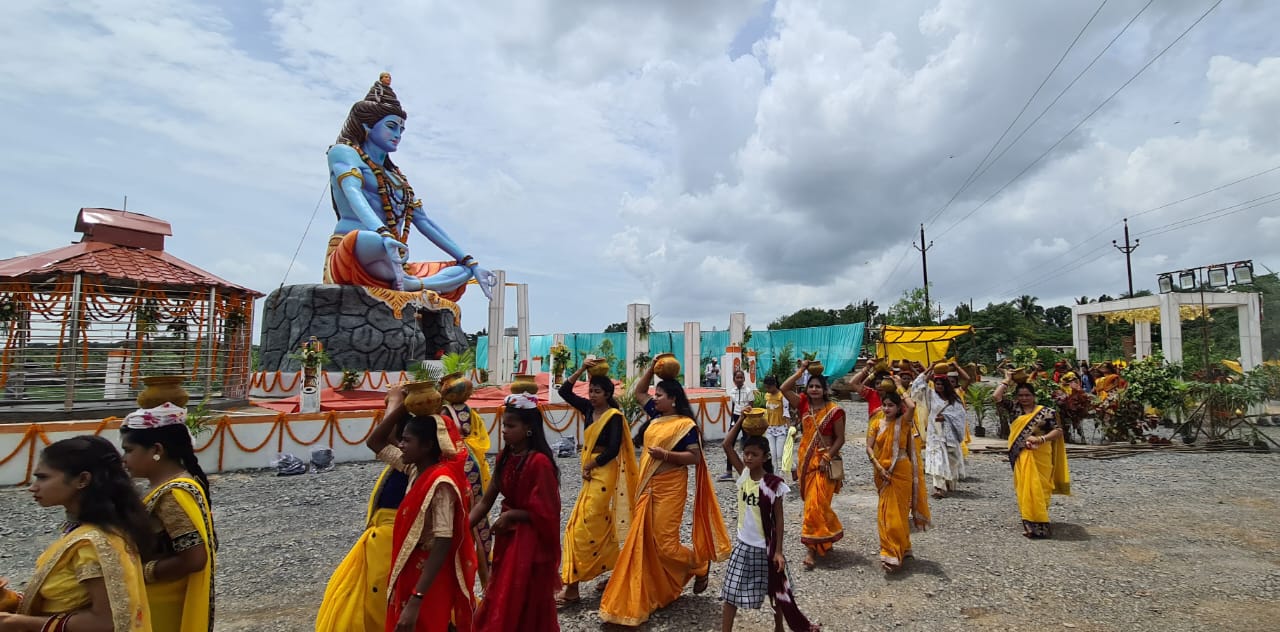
864,312
1028,307
1058,317
806,317
616,328
910,310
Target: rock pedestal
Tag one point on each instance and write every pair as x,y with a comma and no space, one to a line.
358,332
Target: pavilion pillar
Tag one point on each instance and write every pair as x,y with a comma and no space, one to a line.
72,364
692,354
1142,339
1250,332
212,329
497,318
1170,327
1080,335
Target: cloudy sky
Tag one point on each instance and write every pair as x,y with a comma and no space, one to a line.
704,157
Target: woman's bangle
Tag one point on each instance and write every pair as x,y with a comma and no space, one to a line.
469,261
149,572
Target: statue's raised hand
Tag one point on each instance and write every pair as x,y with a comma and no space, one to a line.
486,280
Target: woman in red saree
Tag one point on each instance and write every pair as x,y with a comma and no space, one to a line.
525,574
433,567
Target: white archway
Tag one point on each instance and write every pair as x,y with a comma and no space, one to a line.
1168,309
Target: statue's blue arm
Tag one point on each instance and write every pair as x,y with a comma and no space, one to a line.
341,160
441,239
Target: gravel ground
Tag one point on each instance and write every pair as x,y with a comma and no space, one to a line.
1150,542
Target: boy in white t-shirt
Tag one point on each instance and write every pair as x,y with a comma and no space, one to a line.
756,567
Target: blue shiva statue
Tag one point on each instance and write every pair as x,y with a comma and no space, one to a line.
376,207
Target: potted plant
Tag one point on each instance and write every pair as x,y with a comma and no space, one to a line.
979,398
559,362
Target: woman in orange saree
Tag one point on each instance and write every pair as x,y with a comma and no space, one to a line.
891,446
820,469
654,565
433,567
1037,454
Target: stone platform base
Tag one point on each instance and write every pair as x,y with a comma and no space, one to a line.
358,331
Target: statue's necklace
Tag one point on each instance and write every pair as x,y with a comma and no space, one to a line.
384,193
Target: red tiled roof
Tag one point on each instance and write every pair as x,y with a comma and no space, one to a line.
115,262
89,217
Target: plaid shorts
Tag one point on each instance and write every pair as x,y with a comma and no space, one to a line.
746,580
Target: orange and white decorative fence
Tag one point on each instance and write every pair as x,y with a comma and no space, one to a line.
240,442
277,384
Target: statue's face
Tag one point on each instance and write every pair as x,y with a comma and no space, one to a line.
385,135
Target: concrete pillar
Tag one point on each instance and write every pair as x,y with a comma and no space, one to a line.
692,354
1142,339
635,345
505,364
1170,327
497,322
1250,332
522,328
737,328
1080,335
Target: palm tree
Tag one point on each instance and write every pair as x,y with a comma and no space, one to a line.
1083,300
1026,305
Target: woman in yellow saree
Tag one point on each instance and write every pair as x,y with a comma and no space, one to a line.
1037,454
891,446
179,568
91,577
356,596
598,525
654,564
820,469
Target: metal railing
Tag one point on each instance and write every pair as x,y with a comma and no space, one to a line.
76,338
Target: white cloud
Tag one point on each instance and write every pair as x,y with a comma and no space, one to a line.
608,152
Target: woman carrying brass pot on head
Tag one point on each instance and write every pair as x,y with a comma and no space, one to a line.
1037,454
600,518
820,469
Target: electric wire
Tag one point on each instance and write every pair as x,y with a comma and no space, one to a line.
1082,121
1064,90
1217,213
306,230
973,175
1108,227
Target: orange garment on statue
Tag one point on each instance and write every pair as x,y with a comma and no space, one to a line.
821,527
342,267
654,566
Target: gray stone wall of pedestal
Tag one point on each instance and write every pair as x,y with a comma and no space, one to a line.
358,331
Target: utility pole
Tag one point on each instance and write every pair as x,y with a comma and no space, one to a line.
1127,249
924,265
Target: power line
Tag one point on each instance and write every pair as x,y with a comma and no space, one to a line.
1154,209
901,258
1083,120
1212,215
1159,230
1066,88
973,175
